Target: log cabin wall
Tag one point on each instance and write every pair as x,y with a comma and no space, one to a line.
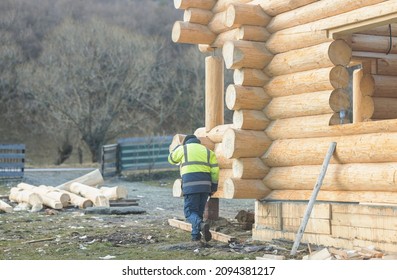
292,85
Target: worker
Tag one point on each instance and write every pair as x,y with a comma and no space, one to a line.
200,172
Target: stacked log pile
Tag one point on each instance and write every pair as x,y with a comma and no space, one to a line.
290,97
85,191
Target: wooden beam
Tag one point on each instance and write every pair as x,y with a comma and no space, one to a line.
201,4
323,55
250,120
308,81
319,10
191,33
93,178
365,148
244,143
249,77
245,54
221,237
195,15
318,126
244,14
340,177
273,8
249,168
244,97
5,207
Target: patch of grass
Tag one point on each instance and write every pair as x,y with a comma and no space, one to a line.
71,236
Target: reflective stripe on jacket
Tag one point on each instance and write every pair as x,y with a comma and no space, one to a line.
198,167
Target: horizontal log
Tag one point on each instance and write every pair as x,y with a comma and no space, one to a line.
350,22
191,33
217,24
222,5
245,189
26,196
273,8
385,108
374,44
114,193
201,4
308,81
93,178
387,66
216,134
307,104
224,174
280,42
79,201
244,143
244,14
244,33
318,126
240,54
316,11
93,194
323,55
51,193
243,97
249,168
253,33
5,207
250,77
339,177
381,30
195,15
203,48
336,196
385,86
215,235
366,148
250,120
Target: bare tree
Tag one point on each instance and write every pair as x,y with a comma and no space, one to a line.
90,75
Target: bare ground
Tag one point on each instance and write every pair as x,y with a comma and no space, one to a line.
73,234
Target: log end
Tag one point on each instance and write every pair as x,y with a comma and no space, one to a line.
229,144
231,97
340,53
176,32
177,188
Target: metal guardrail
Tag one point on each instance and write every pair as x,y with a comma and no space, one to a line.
139,153
12,160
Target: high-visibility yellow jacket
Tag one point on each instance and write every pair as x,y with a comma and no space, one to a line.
198,167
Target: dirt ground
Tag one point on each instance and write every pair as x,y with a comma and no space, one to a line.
73,234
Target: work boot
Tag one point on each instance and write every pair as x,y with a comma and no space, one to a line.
205,231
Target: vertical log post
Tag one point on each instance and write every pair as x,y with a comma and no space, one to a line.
357,95
214,113
214,89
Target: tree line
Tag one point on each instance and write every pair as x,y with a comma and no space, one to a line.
87,72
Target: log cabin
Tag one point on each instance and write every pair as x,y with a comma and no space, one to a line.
305,73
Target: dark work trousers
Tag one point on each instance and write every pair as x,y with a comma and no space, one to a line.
194,206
